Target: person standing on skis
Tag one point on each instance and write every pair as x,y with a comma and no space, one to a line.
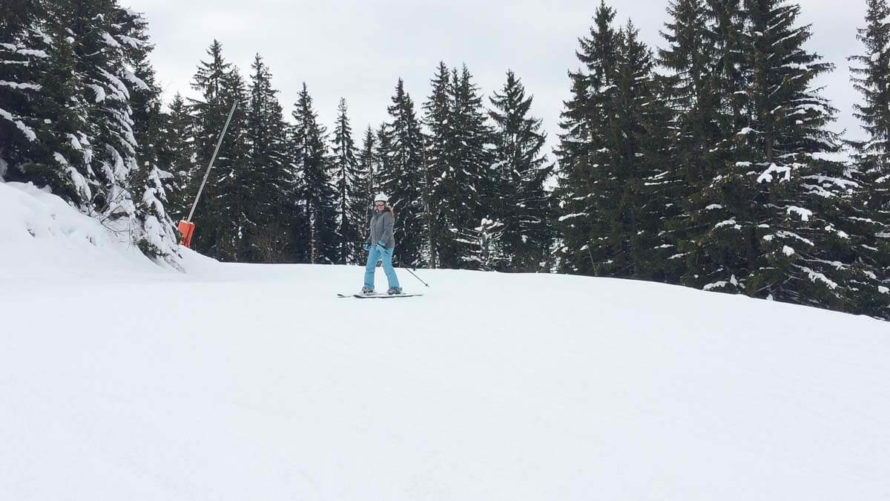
380,245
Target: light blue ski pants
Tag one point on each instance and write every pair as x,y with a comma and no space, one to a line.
379,253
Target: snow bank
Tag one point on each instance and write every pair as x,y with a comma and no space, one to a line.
43,238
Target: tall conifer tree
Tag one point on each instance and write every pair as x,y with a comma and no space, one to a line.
367,165
361,186
632,194
316,193
465,190
780,222
74,99
268,239
697,140
177,154
221,216
403,180
349,184
871,77
26,57
151,176
522,203
583,188
439,157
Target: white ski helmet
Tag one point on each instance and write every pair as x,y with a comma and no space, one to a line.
381,197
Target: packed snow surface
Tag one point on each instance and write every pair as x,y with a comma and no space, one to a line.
123,380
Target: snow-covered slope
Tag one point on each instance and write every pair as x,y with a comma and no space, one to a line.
42,237
123,380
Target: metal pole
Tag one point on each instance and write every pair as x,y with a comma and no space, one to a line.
415,276
212,159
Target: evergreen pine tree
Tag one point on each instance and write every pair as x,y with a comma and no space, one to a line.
702,218
272,196
100,62
781,219
403,179
871,77
583,186
382,160
157,237
61,122
364,183
221,218
350,187
616,189
465,189
523,205
25,61
697,140
725,36
361,189
438,158
39,116
631,166
315,192
75,72
178,155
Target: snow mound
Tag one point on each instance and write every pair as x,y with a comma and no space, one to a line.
42,237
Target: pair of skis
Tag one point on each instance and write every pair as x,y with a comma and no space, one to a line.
376,296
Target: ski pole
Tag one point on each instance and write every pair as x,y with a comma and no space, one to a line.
411,272
415,276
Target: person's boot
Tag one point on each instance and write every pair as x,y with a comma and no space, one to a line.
394,290
367,291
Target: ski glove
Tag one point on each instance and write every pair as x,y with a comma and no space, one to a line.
381,248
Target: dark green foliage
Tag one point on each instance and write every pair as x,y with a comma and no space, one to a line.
616,190
80,110
403,179
582,189
266,238
315,193
148,179
350,180
459,162
713,173
363,185
766,210
520,203
871,77
222,217
439,153
775,221
696,141
176,152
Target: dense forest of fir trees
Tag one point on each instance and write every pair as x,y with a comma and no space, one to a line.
707,162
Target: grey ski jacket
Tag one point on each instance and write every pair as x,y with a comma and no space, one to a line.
381,230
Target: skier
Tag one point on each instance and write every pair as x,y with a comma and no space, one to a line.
380,245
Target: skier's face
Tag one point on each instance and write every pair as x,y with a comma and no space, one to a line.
379,206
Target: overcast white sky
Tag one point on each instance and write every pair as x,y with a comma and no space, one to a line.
357,49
